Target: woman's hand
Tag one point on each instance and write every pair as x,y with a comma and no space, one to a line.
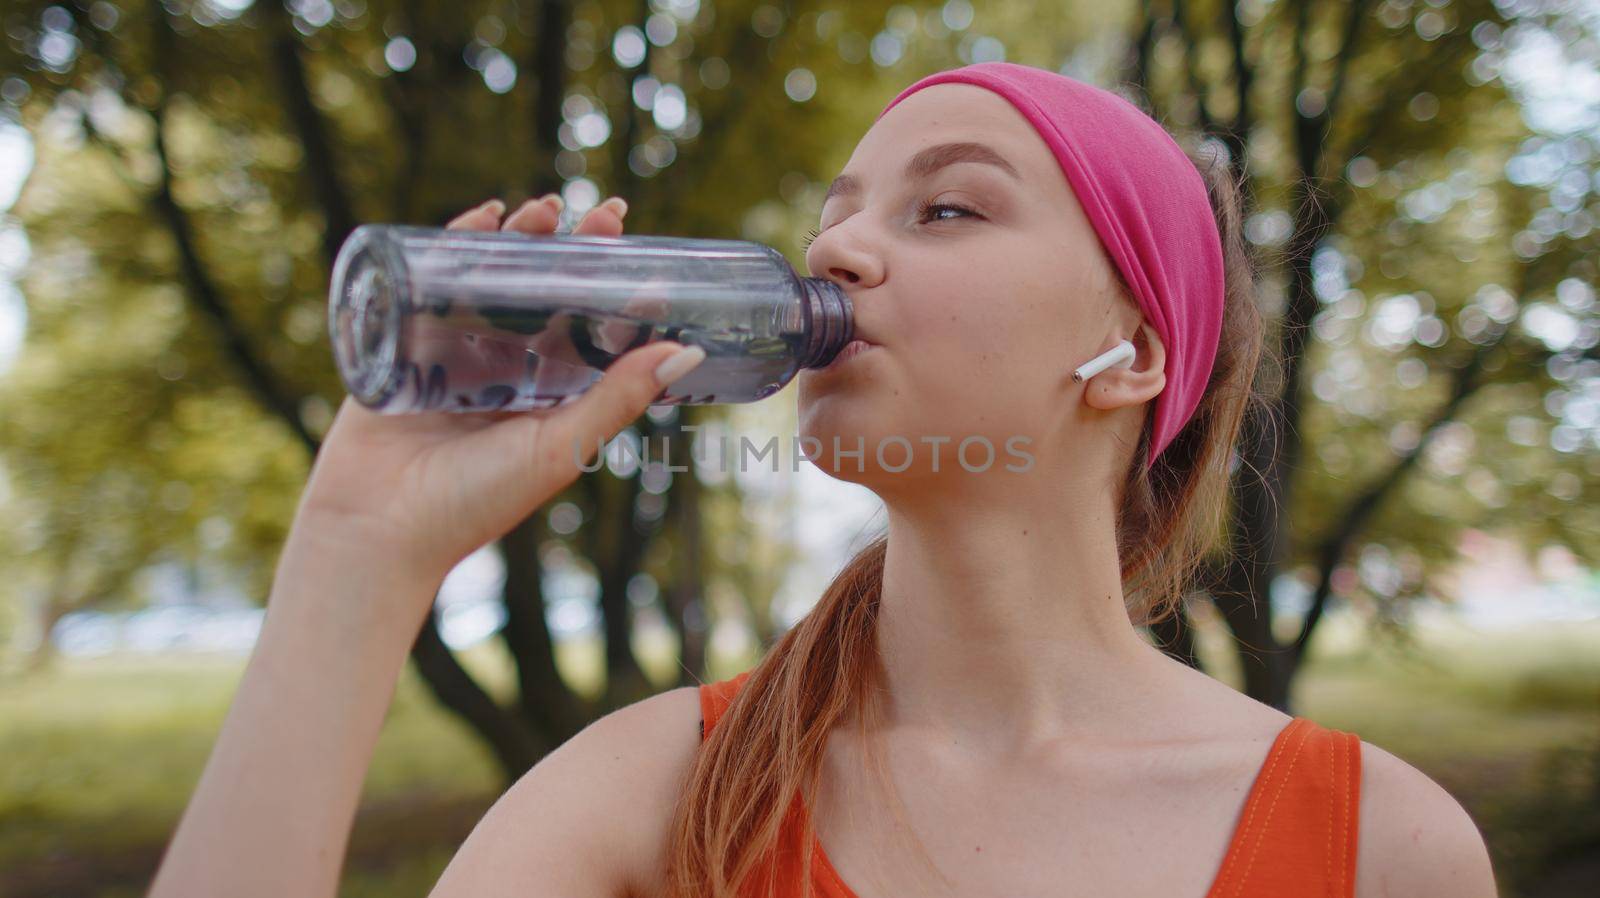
394,501
428,489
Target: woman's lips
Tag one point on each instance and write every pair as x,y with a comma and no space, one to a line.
850,351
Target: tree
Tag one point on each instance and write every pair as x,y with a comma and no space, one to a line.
1358,128
201,163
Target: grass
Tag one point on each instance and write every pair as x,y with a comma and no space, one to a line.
101,756
1508,723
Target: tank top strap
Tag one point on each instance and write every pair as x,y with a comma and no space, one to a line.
1297,833
784,864
715,699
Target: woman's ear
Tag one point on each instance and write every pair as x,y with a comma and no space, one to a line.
1136,384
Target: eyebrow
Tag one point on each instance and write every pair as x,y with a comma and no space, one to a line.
929,161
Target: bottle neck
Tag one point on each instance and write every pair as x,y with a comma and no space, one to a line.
830,322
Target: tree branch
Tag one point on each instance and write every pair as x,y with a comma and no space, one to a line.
1332,550
1385,111
1192,67
258,376
337,218
1297,78
514,745
1347,50
550,65
542,694
1143,49
685,598
1243,76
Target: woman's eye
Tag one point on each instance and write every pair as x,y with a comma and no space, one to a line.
922,214
926,208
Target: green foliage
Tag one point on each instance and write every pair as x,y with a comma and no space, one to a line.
1505,720
129,428
130,431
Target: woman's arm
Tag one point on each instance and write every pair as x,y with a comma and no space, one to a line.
1414,838
392,504
591,820
273,810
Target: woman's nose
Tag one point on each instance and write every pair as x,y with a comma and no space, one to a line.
841,257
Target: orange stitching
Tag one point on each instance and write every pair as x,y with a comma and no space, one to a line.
1354,743
1344,804
1333,780
1268,818
1230,860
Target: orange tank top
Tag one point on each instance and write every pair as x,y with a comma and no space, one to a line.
1296,834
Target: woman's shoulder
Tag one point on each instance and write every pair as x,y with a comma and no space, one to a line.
1415,838
716,697
592,817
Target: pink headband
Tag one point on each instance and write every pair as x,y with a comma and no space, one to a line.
1147,202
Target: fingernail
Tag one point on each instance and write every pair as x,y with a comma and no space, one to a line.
679,364
506,225
620,204
498,207
556,199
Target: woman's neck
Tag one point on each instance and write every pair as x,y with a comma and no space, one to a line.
1002,625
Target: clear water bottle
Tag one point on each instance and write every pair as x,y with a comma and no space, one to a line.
428,319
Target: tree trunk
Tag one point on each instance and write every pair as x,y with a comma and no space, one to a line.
684,599
551,708
1176,636
514,744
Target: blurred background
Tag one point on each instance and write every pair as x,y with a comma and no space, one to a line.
176,175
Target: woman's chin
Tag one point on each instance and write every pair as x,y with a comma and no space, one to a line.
847,447
822,415
839,417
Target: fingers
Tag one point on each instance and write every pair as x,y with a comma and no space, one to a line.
629,386
604,220
484,217
649,305
543,216
536,216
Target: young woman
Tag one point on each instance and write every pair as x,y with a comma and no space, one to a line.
970,708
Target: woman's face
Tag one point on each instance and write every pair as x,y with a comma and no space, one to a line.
983,285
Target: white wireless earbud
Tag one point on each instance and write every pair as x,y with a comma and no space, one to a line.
1118,356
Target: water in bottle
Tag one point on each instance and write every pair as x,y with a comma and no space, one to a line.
429,319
